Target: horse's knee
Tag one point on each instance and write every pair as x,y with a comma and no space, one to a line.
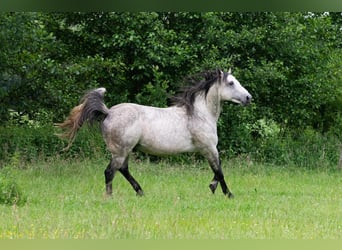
140,192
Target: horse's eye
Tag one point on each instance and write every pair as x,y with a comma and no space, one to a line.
230,83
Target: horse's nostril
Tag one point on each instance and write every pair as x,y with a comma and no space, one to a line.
248,98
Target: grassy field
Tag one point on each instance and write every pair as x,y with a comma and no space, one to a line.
66,200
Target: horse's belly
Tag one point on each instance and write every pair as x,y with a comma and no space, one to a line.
165,149
166,143
164,131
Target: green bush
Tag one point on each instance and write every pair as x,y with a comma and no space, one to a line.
22,144
262,141
306,149
265,141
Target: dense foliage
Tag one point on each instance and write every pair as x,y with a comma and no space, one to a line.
290,62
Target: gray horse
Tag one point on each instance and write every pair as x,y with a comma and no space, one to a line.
189,125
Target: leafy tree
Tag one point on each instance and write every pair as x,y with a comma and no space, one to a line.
23,59
290,62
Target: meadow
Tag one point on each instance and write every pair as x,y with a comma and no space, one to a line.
65,200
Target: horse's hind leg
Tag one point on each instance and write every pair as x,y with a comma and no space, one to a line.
109,176
125,172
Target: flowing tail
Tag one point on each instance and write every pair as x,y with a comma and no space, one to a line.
90,109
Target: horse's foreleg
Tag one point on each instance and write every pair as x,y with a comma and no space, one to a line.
213,185
125,172
215,165
225,189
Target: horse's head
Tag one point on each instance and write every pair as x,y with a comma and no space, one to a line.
231,90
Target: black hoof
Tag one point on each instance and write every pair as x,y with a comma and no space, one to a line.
108,195
140,193
213,187
230,195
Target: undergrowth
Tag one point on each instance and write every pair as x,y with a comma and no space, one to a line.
306,149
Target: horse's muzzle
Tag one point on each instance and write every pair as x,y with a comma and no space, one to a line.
247,100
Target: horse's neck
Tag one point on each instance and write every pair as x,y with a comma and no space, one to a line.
210,105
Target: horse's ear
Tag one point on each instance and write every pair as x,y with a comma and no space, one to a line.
229,70
220,73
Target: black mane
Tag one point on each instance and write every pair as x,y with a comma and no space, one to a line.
198,84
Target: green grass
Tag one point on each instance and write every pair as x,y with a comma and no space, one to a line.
66,200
